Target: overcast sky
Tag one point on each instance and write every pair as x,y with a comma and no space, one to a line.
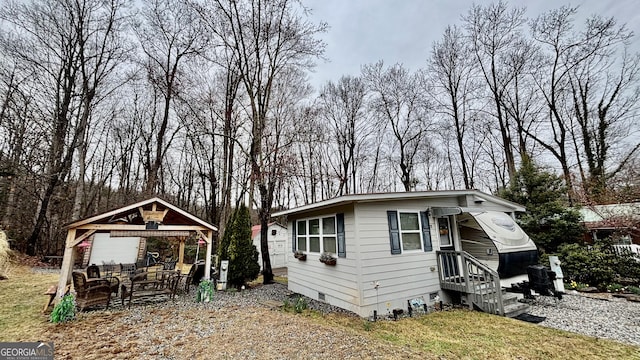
402,31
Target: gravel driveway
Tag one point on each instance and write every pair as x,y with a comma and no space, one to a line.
600,317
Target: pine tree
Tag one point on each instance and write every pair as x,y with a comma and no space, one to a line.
548,220
237,247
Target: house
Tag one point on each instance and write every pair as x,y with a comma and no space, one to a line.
394,250
276,240
619,221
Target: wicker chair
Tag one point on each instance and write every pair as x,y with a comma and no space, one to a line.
93,272
92,292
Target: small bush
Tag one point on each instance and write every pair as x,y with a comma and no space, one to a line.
5,256
576,286
65,310
634,290
301,305
615,288
367,325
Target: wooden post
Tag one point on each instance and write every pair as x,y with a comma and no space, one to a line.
207,261
181,253
67,263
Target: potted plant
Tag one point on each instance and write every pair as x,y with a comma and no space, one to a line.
327,259
205,291
65,310
300,255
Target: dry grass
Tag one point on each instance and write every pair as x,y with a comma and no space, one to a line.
263,333
464,334
21,303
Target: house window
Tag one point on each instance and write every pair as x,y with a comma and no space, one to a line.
302,236
317,235
409,231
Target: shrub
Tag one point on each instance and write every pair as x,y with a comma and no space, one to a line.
65,310
237,246
587,265
548,220
5,256
598,264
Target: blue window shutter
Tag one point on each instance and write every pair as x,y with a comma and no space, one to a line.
294,241
342,250
394,232
426,231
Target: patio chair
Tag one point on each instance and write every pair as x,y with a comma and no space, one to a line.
93,272
91,293
196,273
189,279
126,270
109,268
169,265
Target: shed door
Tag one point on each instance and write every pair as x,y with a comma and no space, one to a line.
106,249
276,248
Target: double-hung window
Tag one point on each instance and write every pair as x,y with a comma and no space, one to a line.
409,231
320,234
317,235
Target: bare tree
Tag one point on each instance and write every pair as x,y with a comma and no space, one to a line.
400,102
170,35
565,50
266,37
101,49
343,106
451,70
49,44
494,31
605,91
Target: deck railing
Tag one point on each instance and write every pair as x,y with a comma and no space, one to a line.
631,249
460,271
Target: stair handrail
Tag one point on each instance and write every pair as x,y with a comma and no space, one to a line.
481,282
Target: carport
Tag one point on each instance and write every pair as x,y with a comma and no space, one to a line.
152,217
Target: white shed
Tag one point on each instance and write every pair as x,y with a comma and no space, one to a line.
277,236
395,248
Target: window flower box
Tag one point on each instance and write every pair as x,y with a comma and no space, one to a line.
300,255
328,259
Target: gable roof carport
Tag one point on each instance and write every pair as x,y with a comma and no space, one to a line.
151,217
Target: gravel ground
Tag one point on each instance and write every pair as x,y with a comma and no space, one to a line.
232,326
597,315
601,317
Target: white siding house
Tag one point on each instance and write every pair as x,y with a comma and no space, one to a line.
385,246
